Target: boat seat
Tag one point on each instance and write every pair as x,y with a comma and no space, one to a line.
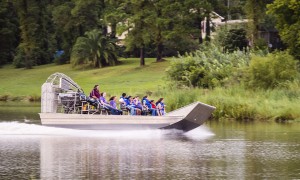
103,110
124,109
87,108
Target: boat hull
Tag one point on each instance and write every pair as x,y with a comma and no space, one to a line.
185,118
107,122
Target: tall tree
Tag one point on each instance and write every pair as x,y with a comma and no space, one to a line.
35,45
256,13
137,26
287,14
8,31
72,18
195,13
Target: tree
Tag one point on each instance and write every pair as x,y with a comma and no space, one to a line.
36,41
8,31
113,15
287,15
72,19
95,47
235,39
256,13
137,26
194,15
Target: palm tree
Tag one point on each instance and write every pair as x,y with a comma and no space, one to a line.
95,47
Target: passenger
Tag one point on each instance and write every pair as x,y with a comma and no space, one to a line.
153,104
161,106
154,107
113,104
107,105
95,96
122,100
137,105
148,106
129,105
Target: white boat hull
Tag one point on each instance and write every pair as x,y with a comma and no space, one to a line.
108,122
186,118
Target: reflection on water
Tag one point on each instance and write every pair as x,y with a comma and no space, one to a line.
20,111
214,151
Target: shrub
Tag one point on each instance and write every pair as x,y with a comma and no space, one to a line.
207,68
274,70
261,44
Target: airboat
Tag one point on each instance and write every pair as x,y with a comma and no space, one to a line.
62,106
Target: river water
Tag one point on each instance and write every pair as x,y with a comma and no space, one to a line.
217,150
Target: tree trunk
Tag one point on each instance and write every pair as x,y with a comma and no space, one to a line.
25,38
200,34
142,58
96,62
160,48
113,30
104,30
103,62
80,30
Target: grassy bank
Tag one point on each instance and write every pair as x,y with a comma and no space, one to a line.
237,103
232,103
17,84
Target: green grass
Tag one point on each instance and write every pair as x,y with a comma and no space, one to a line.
238,103
127,77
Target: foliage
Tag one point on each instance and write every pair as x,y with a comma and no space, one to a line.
208,67
287,13
8,32
274,70
261,44
62,59
36,41
19,59
256,13
241,103
95,47
235,39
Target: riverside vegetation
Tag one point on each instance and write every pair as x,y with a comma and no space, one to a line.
243,86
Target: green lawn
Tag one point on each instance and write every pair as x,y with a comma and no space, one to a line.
127,77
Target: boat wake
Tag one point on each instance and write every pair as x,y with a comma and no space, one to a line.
17,128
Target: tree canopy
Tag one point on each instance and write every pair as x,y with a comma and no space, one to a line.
287,13
32,31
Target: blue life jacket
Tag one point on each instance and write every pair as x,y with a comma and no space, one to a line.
147,103
126,100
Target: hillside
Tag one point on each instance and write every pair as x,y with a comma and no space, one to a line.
127,77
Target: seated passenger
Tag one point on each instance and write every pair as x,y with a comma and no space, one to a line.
148,106
122,100
153,104
137,102
129,105
113,104
161,107
137,105
95,96
107,105
154,107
